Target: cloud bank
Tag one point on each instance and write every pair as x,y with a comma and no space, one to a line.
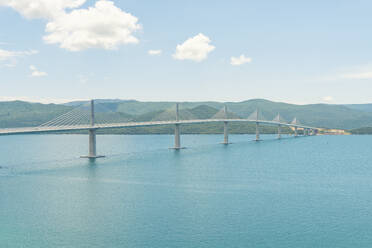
361,75
102,26
47,9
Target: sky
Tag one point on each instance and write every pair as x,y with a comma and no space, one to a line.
294,51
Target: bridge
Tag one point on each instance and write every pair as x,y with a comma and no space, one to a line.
82,118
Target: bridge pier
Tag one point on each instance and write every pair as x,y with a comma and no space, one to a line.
177,133
257,132
177,137
295,129
92,136
225,133
279,132
225,128
92,143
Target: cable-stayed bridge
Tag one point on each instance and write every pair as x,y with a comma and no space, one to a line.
84,118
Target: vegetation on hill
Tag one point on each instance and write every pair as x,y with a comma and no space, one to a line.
24,114
362,107
362,130
19,114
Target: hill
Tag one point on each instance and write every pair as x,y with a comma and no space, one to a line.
362,130
320,115
362,107
18,113
24,114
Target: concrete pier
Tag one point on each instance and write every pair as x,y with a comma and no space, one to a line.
177,138
257,132
225,133
177,133
92,136
279,132
295,130
92,143
225,128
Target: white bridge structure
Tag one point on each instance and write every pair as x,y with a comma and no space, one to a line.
77,120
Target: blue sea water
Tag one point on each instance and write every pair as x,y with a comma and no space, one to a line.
294,192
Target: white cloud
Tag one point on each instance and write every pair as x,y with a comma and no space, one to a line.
357,72
360,75
10,57
7,55
36,73
236,61
48,9
102,26
195,48
327,99
154,52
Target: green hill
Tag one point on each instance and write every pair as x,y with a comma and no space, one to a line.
320,115
203,111
24,114
18,113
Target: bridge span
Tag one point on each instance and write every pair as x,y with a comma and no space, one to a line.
59,124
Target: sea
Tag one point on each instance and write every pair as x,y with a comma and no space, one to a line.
306,192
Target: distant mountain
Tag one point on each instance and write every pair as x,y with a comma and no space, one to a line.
321,115
203,111
23,114
18,113
362,107
78,103
362,130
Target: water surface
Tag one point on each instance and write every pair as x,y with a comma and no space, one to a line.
303,192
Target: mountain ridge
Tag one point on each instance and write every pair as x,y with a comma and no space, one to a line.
21,113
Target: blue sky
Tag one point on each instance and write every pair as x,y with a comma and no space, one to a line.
291,51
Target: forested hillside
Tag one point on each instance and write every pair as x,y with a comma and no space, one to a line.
18,113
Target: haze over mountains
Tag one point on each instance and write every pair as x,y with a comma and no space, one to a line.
19,113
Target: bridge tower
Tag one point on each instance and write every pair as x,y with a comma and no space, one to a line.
257,128
177,136
225,128
295,122
92,135
279,119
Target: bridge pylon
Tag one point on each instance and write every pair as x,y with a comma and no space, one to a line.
92,136
295,122
177,132
279,119
257,128
225,128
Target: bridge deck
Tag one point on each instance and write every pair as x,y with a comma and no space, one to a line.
41,129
